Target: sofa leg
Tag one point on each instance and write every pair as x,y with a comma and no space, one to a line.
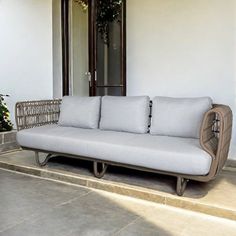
99,174
44,162
181,185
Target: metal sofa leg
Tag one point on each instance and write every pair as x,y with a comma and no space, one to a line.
99,174
181,185
44,162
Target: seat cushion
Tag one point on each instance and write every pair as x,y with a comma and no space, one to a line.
82,112
181,117
130,114
173,154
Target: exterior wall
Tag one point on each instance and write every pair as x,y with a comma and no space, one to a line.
183,48
26,50
174,48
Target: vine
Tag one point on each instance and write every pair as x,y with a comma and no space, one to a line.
108,11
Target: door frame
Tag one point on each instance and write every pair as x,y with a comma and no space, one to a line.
65,46
92,47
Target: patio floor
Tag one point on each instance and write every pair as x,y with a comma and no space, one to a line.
215,198
35,206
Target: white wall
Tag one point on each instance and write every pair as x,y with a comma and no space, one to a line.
174,48
26,50
183,48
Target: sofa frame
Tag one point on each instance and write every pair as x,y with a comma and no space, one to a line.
215,136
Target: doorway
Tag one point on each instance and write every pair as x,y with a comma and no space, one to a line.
94,47
78,50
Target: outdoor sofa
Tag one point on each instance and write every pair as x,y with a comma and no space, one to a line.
184,137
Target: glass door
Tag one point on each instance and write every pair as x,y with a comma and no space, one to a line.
110,77
93,47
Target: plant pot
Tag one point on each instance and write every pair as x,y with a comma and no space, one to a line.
8,142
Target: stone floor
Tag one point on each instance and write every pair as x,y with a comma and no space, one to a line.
31,206
215,198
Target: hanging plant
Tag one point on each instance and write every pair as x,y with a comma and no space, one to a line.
108,11
83,4
5,123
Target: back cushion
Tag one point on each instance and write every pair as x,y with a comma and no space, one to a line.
130,114
178,116
82,112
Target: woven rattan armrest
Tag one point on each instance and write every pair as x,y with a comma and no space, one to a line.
215,136
30,114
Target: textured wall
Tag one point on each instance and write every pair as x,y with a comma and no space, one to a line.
26,50
183,48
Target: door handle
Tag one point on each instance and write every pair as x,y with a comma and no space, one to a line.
88,74
95,76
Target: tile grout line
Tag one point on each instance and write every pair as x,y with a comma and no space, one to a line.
130,223
40,216
46,178
73,199
22,221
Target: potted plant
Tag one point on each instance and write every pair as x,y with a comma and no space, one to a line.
5,122
8,141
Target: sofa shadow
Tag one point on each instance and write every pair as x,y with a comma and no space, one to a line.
67,210
153,181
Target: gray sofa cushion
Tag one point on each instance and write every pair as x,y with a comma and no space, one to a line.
82,112
180,117
129,114
173,154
